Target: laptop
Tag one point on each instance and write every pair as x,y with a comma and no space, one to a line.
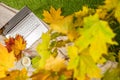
27,24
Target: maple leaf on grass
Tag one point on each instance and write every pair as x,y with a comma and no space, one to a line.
115,6
96,34
63,25
16,44
82,64
79,16
52,16
6,60
102,13
59,23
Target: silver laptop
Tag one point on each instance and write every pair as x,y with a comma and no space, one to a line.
27,24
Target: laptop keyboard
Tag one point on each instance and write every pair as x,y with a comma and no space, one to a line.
26,26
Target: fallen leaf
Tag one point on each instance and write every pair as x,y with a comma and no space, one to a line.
97,43
55,64
52,16
82,64
16,44
6,60
16,75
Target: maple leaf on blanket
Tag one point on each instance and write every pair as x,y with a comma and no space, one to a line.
16,44
6,60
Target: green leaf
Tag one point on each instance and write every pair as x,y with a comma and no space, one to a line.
62,77
96,34
45,42
43,49
35,62
82,64
73,55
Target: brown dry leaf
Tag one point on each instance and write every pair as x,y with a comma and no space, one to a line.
9,43
16,44
6,60
52,16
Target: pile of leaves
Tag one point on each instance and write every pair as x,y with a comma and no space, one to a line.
73,47
89,38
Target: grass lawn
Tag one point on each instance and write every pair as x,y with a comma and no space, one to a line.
37,6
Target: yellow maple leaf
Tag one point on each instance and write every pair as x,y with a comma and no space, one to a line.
16,44
110,4
79,16
60,23
6,60
55,64
115,6
20,44
16,75
102,13
97,43
63,25
82,12
117,12
82,64
52,16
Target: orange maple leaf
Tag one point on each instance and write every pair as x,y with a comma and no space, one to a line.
16,44
52,15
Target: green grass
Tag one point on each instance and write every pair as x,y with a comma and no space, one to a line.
37,6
